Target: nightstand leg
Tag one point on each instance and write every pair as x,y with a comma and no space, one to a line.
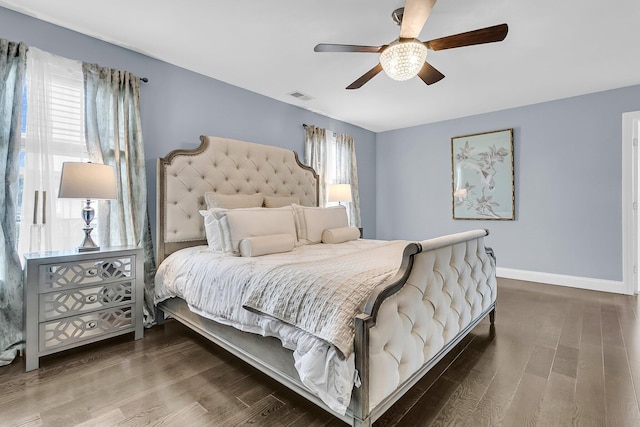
32,362
139,332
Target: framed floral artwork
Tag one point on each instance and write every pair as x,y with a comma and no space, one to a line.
483,176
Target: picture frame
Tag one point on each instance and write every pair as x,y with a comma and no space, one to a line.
482,171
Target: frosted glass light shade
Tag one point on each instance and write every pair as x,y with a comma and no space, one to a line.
402,60
87,181
340,192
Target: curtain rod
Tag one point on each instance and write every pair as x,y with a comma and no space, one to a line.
144,79
304,125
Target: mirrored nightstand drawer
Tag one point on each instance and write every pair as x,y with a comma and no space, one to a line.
75,329
82,273
81,300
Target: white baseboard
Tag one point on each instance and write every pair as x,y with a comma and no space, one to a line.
563,280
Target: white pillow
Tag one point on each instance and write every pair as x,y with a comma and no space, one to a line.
238,224
232,201
211,229
279,201
340,235
312,221
265,245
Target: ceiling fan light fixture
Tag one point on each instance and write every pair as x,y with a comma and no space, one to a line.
402,60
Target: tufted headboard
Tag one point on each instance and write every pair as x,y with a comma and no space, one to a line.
224,166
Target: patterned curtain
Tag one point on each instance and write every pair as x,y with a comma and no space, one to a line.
316,149
347,173
114,137
12,70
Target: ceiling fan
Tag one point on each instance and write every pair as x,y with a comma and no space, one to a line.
406,56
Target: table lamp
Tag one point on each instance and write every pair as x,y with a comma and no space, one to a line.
87,181
340,193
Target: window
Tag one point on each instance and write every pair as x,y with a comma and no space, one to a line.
52,133
333,158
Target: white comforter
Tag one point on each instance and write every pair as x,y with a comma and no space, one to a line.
214,287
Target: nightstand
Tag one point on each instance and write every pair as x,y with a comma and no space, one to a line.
74,298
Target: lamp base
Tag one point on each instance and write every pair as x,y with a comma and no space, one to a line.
88,244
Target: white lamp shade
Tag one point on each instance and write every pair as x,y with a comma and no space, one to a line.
340,192
87,181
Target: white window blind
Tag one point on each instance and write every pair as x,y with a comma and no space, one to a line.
67,112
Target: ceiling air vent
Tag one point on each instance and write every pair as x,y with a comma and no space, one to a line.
301,96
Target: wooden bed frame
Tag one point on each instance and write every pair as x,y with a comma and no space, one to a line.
435,278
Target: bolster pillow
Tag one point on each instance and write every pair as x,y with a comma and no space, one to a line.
340,235
264,245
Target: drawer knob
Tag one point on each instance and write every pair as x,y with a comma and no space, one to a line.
92,298
92,324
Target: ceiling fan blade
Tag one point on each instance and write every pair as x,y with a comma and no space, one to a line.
496,33
430,75
415,15
328,47
365,77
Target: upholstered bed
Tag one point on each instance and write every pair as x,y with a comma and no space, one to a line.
422,297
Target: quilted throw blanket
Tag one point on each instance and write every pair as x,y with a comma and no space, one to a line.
323,297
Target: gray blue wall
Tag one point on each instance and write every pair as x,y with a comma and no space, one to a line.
177,106
568,184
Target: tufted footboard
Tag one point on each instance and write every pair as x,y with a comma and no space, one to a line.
444,287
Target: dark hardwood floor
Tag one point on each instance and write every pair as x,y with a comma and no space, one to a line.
556,357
